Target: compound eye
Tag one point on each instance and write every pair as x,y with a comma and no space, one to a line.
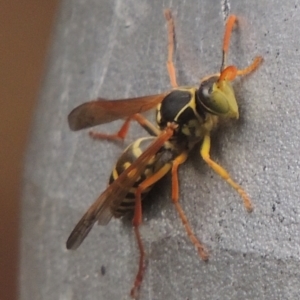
206,95
206,92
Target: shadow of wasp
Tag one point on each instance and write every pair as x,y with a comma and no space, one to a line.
185,117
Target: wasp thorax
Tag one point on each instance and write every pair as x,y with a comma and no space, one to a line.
217,97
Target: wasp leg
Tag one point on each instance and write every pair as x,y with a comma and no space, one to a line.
121,134
205,148
137,220
175,197
171,38
147,125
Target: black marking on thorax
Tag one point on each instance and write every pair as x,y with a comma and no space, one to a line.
180,106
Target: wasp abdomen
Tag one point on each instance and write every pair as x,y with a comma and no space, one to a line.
131,153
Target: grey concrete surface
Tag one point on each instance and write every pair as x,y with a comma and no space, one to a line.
117,49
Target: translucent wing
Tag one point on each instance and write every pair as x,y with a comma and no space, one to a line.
116,192
102,111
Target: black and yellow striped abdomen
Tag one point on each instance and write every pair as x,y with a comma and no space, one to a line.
130,154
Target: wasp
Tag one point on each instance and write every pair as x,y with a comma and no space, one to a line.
185,117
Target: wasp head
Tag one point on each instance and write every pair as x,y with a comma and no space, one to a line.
216,94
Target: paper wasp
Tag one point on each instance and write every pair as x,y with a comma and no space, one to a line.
185,117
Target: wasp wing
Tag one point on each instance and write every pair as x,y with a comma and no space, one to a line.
102,111
115,193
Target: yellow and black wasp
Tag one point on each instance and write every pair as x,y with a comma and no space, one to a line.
185,117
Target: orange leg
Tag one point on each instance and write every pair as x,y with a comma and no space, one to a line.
147,125
137,220
121,134
175,197
171,38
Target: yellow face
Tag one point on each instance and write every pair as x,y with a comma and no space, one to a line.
217,97
223,99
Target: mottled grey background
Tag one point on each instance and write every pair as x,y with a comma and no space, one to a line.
117,49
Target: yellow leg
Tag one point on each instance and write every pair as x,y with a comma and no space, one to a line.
175,197
205,148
